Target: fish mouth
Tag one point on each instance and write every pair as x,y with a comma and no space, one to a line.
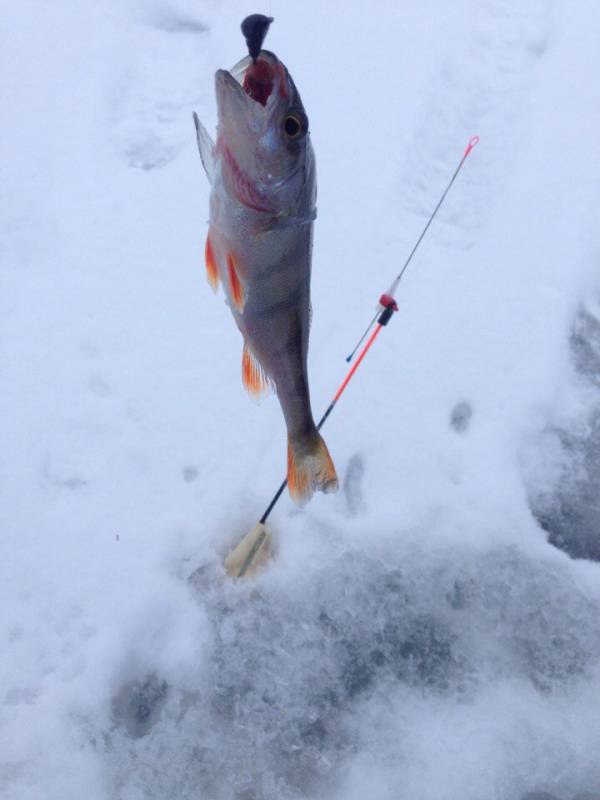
244,94
256,79
261,75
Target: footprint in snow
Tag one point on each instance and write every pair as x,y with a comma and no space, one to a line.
352,485
158,89
172,23
98,386
485,90
60,477
137,705
189,473
460,417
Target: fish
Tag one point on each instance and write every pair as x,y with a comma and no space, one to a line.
259,245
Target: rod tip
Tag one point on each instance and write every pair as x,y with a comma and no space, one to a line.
473,142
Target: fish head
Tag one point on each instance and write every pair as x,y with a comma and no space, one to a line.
263,138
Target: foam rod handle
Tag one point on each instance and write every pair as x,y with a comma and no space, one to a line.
255,29
251,554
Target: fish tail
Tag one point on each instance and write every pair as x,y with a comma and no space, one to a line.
309,467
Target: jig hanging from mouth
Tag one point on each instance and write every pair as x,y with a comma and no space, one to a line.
259,77
255,29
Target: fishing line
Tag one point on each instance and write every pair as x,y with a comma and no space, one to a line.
392,290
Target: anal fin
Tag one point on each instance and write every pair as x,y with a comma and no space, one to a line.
254,378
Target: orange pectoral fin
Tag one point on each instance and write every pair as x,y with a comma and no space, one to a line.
254,378
212,271
236,289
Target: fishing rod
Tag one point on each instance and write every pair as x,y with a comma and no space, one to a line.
244,556
392,290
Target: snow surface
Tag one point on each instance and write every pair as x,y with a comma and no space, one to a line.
417,635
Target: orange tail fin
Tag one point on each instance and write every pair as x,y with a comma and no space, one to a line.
310,467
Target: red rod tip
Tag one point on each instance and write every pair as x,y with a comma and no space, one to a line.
474,140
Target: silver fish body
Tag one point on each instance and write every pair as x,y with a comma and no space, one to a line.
259,245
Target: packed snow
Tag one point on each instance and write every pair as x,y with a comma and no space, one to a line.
432,631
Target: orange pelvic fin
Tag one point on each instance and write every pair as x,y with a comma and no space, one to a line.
254,378
212,271
236,289
310,467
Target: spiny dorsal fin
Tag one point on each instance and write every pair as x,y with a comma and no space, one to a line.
206,146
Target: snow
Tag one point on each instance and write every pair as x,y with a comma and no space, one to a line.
416,635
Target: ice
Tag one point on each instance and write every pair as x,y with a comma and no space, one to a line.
569,507
300,673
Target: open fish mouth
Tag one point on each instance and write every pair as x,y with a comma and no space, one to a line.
259,78
247,99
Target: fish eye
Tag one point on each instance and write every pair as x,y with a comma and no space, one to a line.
292,126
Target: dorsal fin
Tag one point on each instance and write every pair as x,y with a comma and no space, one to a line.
206,146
